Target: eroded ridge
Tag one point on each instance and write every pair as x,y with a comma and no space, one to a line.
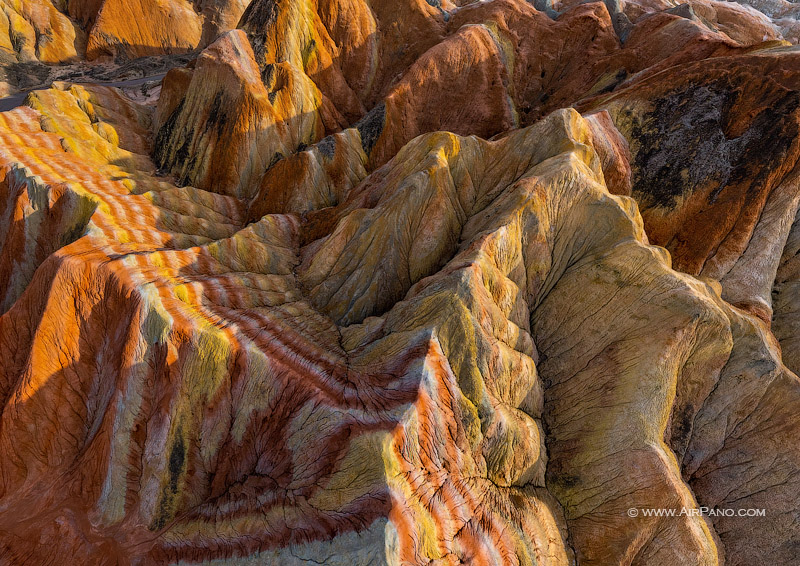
341,298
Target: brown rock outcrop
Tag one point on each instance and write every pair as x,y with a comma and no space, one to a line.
708,146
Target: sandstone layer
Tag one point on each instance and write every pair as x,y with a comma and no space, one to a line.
404,283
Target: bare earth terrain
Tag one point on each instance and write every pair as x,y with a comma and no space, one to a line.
349,282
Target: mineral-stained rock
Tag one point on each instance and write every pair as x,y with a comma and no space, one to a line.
143,28
223,127
36,30
708,146
419,283
54,31
135,28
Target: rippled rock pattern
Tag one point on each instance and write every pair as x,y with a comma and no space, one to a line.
403,283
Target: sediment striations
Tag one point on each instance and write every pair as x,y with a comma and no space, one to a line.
53,31
405,283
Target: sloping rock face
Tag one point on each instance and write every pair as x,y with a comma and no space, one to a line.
38,30
58,31
42,41
352,41
407,283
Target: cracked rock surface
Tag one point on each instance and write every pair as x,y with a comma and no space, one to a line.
404,283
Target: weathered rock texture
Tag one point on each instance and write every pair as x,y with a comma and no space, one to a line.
56,31
405,283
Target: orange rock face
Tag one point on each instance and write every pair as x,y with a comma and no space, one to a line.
53,31
403,283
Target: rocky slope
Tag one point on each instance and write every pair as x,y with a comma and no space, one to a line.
404,283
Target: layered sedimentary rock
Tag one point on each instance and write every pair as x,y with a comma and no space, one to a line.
53,31
354,48
38,30
221,127
407,283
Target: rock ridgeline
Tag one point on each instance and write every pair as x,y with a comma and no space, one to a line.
404,283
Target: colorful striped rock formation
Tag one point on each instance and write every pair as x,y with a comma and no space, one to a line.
57,31
403,283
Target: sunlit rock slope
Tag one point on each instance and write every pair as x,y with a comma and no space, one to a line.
404,283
